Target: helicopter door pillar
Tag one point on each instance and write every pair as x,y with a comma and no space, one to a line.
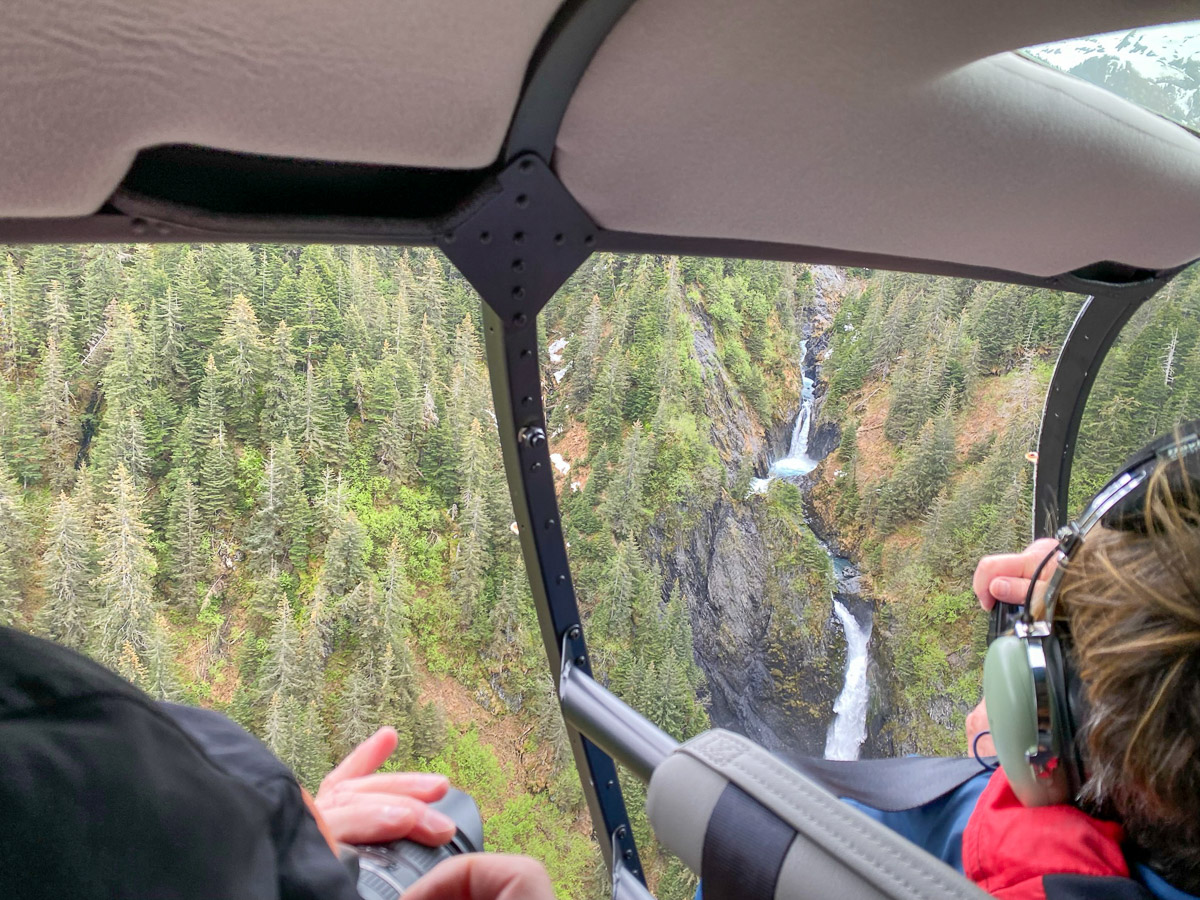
517,248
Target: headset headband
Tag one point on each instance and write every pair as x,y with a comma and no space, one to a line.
1110,506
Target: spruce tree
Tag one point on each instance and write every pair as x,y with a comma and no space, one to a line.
623,504
429,730
397,594
264,539
54,412
14,547
280,392
216,481
586,355
187,542
345,558
170,348
358,710
200,308
241,352
125,377
210,408
126,581
66,577
59,325
103,277
281,672
315,415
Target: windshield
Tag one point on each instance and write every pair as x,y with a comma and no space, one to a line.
266,479
1157,68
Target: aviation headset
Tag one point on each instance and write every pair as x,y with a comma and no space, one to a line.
1035,701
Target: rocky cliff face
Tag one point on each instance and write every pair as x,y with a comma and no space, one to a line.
766,641
772,663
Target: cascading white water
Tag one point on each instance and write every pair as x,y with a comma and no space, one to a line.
798,462
849,727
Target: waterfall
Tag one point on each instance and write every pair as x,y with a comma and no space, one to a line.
798,462
849,727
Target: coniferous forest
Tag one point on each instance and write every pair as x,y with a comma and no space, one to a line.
266,479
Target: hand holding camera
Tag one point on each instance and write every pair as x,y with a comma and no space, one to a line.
415,836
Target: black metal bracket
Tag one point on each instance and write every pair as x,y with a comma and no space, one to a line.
517,249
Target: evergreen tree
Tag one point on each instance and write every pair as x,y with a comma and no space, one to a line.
14,546
397,594
210,408
59,325
66,577
280,394
201,309
170,346
187,541
54,411
125,586
586,355
623,504
103,277
917,481
125,377
281,674
242,354
429,731
345,558
216,481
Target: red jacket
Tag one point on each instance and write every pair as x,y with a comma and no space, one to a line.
1008,849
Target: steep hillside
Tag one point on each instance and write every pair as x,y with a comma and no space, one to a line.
265,479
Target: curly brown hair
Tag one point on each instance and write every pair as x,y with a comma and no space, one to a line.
1132,600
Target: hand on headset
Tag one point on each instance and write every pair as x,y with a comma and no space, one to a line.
1005,576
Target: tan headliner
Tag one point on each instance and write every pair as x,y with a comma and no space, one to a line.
864,125
878,127
87,83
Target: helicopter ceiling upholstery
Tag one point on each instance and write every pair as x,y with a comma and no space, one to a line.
857,125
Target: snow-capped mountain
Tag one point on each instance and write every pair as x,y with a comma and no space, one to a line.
1158,68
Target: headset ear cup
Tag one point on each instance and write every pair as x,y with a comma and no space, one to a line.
1008,688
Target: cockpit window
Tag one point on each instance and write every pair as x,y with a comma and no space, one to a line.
1157,68
267,479
1149,383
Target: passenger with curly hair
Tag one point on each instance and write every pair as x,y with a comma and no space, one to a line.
1126,611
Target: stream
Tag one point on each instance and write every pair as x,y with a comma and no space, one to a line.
848,729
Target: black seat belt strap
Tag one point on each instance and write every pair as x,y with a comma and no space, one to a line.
744,848
890,784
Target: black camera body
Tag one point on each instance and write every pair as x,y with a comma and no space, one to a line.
386,871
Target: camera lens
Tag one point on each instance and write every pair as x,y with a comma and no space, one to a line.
386,871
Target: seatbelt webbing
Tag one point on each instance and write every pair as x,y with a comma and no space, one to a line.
890,784
744,848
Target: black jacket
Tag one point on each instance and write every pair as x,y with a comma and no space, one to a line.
106,794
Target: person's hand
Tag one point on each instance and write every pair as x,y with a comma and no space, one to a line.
977,724
484,876
1005,576
361,806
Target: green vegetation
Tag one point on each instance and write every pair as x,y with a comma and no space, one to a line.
265,479
938,386
1149,382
